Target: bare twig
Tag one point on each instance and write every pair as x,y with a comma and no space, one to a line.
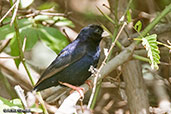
97,75
67,36
17,57
20,93
34,13
52,14
24,44
15,12
4,44
8,12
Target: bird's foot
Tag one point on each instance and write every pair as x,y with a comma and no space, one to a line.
74,88
89,83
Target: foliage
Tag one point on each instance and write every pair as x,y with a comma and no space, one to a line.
128,16
42,27
48,5
14,104
32,30
150,43
138,26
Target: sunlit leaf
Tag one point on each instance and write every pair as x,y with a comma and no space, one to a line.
31,35
138,26
37,110
41,18
8,31
25,3
129,18
15,50
62,21
150,43
47,5
16,102
32,30
53,38
9,104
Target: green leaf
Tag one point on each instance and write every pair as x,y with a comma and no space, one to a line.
16,102
31,35
150,43
53,38
129,18
5,101
62,21
7,104
15,50
37,110
138,26
56,20
25,3
8,31
48,5
41,18
25,30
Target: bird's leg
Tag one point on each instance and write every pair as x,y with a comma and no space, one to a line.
89,83
73,87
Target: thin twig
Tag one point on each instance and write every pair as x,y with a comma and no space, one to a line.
5,44
37,12
108,8
20,93
8,12
52,14
16,57
102,65
67,35
15,12
24,44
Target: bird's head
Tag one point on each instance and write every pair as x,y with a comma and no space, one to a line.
93,32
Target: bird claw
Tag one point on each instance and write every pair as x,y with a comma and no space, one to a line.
74,88
89,83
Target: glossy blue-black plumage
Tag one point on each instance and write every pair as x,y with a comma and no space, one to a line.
72,64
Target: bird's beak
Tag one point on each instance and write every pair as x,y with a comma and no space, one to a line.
105,34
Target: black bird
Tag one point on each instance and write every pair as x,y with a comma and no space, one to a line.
73,62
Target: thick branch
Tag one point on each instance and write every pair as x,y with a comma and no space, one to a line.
135,88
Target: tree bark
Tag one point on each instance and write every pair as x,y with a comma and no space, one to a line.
135,88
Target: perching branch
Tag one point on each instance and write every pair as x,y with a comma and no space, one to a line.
97,75
110,66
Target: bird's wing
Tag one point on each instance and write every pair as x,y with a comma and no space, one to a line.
65,58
